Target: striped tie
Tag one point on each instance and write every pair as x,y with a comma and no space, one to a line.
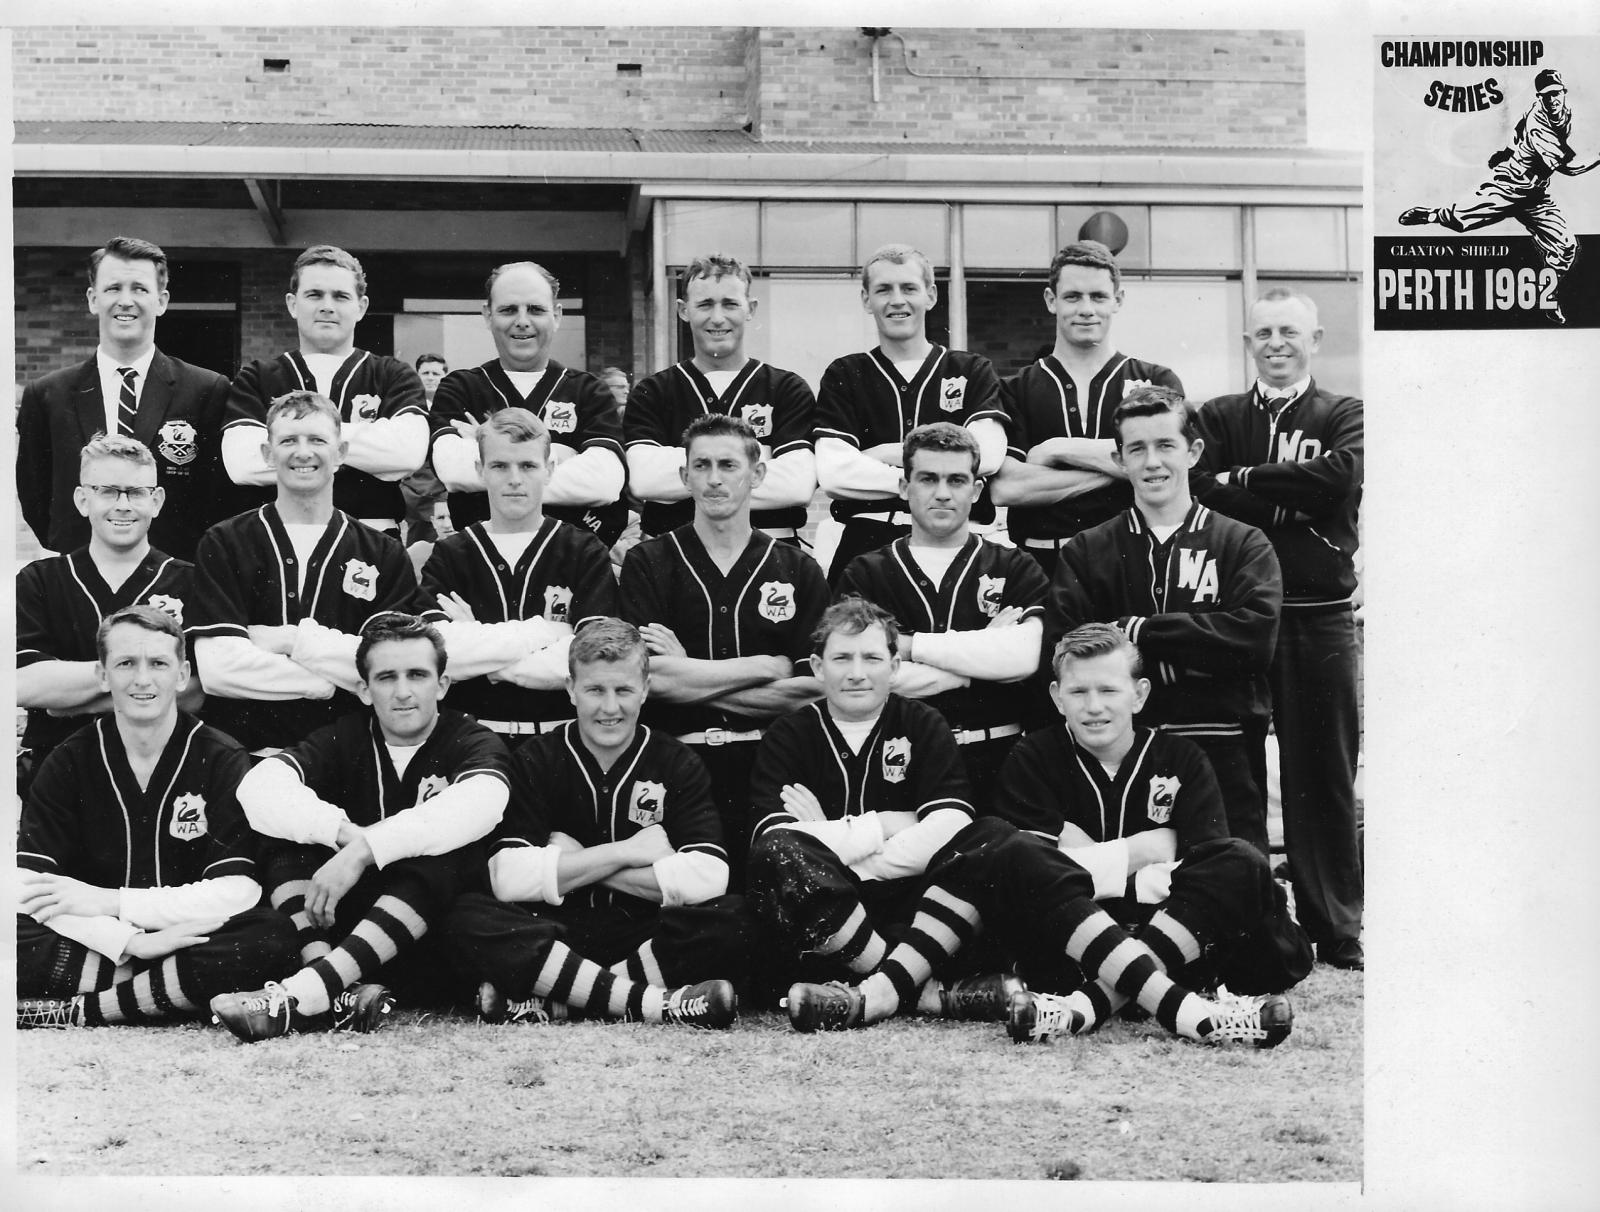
128,404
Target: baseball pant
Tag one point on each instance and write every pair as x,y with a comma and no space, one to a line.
1529,205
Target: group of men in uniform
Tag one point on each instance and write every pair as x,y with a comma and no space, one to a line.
733,769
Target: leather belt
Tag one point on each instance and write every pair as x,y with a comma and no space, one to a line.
720,736
1044,544
523,727
973,735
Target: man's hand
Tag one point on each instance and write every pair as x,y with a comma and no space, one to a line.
661,641
160,943
456,608
892,453
648,845
1009,617
45,895
1072,837
801,803
467,429
333,879
274,637
1500,157
566,843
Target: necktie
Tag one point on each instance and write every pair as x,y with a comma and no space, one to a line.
128,403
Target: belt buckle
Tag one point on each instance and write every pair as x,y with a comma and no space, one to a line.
716,736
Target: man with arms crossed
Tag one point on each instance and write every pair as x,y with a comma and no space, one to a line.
379,400
1287,456
1060,474
282,591
1198,592
61,600
1140,811
523,312
139,895
398,794
727,613
608,870
520,578
870,401
776,404
129,388
968,611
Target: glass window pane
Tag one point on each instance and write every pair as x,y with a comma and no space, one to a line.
923,227
1007,237
1354,245
1194,327
1136,255
1299,237
697,228
1194,237
806,233
1337,363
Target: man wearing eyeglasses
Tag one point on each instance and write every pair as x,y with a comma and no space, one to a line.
128,387
61,599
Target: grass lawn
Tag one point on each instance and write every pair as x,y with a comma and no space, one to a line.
432,1095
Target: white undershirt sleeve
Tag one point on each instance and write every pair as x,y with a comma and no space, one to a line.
390,448
847,474
278,804
233,667
587,479
542,670
241,455
915,680
455,462
791,480
526,873
474,648
690,878
991,437
327,652
907,852
653,473
853,839
102,933
461,813
158,908
992,654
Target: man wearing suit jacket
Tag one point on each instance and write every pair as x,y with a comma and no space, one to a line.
129,387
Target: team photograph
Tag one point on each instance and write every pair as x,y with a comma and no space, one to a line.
682,602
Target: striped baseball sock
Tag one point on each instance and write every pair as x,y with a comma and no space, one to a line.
1126,966
1173,946
581,984
855,944
944,923
388,927
289,898
155,995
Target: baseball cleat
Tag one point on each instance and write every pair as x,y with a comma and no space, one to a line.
1038,1016
263,1014
1415,216
830,1007
33,1012
708,1004
979,999
1264,1022
495,1007
361,1008
1554,314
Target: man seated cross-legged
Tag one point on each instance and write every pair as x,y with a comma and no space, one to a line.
609,874
378,815
138,887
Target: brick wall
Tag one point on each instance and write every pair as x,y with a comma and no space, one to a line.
53,324
1043,86
689,77
1007,322
1046,86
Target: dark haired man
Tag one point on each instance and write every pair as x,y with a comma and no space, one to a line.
718,377
1060,474
139,889
400,795
129,388
378,399
425,498
1198,592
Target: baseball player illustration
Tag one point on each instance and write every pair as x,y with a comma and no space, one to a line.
1541,146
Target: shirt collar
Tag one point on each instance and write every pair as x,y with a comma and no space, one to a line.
109,365
1292,392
